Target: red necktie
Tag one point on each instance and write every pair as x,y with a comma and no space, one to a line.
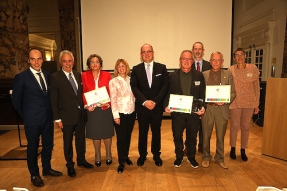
198,67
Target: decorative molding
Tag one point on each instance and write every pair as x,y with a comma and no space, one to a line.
270,13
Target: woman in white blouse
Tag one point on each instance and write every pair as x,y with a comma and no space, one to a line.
123,109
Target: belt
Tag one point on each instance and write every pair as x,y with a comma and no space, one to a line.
213,104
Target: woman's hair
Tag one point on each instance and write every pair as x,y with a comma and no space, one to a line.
94,56
116,73
236,50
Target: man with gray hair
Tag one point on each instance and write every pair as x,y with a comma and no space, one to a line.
68,110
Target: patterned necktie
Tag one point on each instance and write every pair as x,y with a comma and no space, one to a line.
148,74
73,83
42,83
198,67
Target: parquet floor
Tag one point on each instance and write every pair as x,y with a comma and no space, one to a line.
242,176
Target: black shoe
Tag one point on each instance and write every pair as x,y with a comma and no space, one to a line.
86,165
128,161
193,162
121,168
140,161
52,172
243,155
157,160
37,181
71,172
232,153
109,162
177,162
98,163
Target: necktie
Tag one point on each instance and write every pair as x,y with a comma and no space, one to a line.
73,83
198,67
148,74
42,83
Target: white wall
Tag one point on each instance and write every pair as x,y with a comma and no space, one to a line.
117,29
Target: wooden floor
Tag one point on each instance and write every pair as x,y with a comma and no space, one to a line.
243,176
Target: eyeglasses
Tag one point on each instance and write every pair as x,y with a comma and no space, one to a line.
95,62
147,52
186,58
239,55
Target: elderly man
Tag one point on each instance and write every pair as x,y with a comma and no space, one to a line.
216,113
68,110
190,82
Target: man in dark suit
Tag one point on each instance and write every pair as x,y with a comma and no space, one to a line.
149,83
31,99
190,82
200,65
68,110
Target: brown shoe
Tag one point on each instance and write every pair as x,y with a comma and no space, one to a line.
222,164
205,163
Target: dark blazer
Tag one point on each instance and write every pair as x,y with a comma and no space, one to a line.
29,100
141,89
197,91
65,103
205,65
226,79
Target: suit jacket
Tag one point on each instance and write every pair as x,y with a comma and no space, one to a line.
197,89
29,100
141,89
205,65
65,103
89,82
226,79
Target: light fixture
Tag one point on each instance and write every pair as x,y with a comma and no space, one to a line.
48,55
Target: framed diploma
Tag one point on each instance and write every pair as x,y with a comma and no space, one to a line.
99,96
220,93
180,103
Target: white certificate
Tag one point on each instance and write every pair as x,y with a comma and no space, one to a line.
98,96
180,103
220,93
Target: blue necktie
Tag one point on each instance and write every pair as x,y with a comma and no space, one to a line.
73,83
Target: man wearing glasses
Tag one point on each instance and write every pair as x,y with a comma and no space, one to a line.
149,83
188,82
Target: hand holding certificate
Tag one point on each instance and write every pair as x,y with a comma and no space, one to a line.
180,103
219,93
98,96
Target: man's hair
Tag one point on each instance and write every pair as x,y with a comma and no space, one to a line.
65,52
197,43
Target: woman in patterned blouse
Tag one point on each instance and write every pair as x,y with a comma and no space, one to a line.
123,109
246,81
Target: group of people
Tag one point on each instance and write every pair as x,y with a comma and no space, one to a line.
42,99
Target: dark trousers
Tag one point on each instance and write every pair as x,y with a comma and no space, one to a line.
200,135
124,133
190,123
33,133
80,141
153,119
